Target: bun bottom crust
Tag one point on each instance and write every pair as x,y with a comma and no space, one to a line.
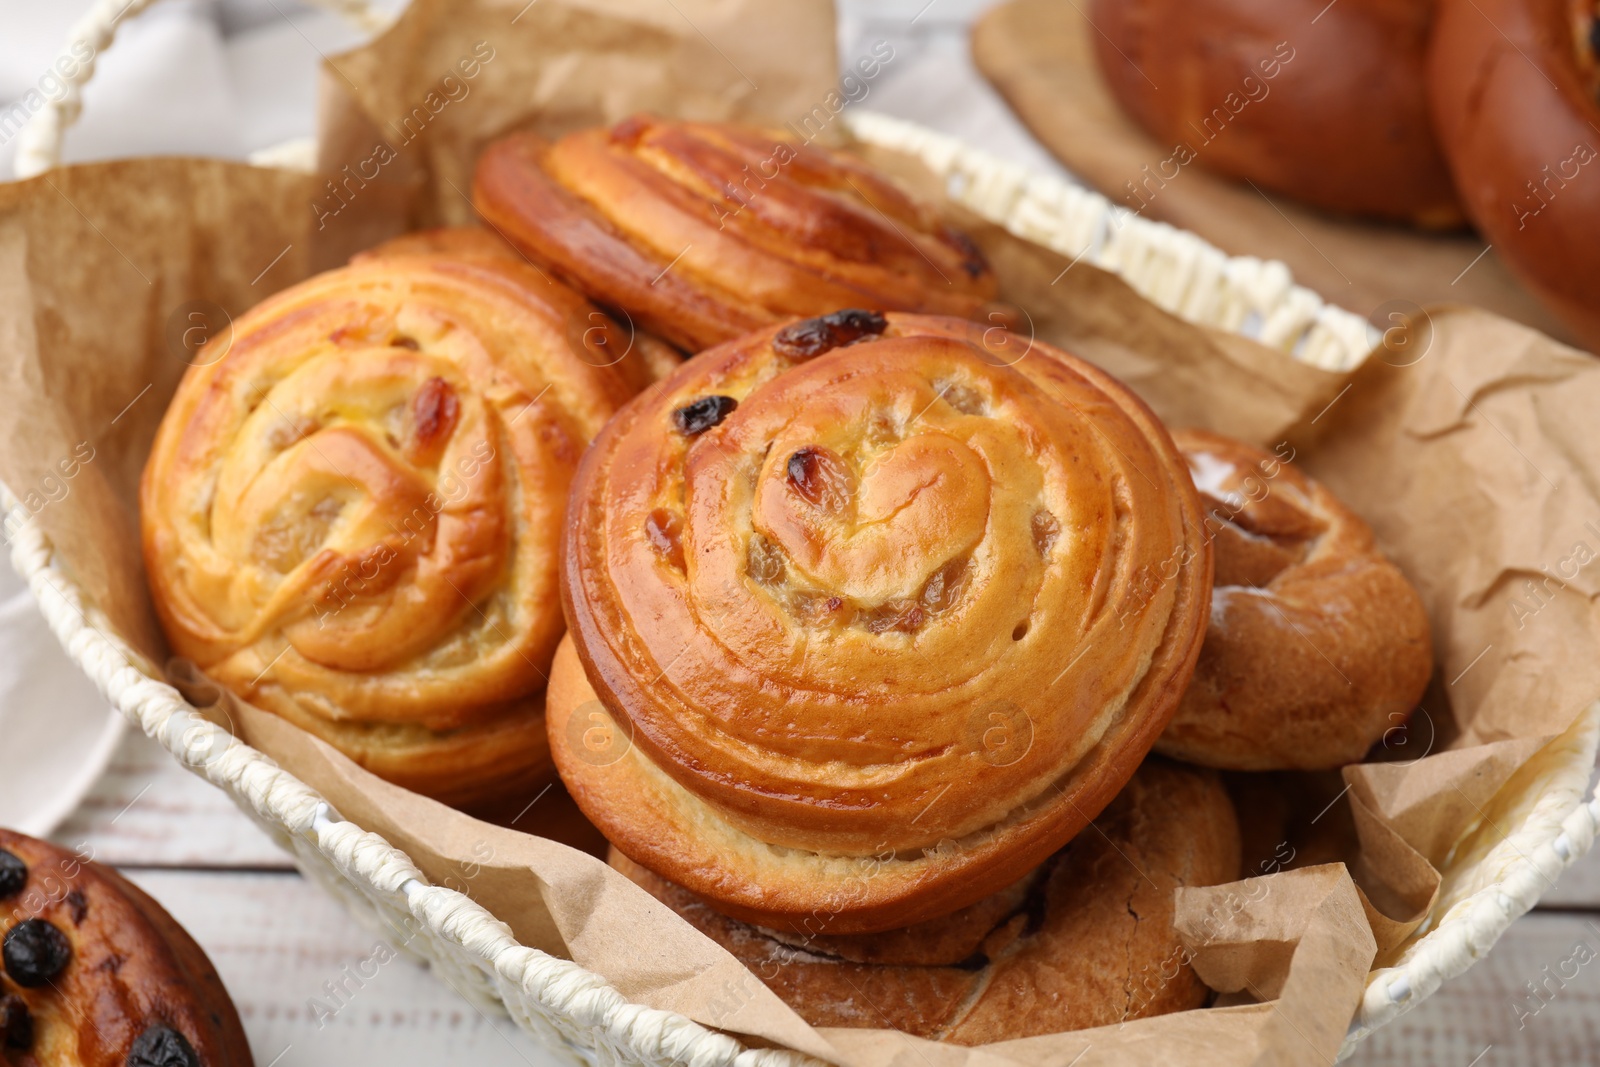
1085,940
489,763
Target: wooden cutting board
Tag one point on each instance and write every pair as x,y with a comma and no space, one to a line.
1039,55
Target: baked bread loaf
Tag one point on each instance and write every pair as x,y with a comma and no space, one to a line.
1515,88
1317,645
97,975
702,232
1084,940
884,620
1325,103
642,358
351,511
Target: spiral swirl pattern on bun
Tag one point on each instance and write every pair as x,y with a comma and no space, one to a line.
884,614
351,512
703,232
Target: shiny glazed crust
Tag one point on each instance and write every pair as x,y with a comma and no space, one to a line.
1515,88
132,967
643,358
701,232
351,513
1342,122
1317,646
885,637
1085,940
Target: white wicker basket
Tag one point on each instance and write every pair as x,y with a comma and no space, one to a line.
1486,888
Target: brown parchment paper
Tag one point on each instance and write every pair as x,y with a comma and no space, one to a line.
1470,461
1039,55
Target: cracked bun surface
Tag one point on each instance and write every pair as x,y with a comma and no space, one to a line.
351,511
98,975
1317,644
702,232
878,612
1084,940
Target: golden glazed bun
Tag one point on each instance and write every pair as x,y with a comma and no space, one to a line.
1515,87
1317,645
641,359
351,512
863,599
99,975
1084,940
702,232
1326,103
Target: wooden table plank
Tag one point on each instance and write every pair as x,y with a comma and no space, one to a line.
1491,1016
148,811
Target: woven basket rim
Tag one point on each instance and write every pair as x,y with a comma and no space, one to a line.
1166,265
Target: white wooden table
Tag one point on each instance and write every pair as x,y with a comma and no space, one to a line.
282,947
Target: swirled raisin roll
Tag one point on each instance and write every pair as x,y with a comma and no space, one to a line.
352,509
884,614
701,232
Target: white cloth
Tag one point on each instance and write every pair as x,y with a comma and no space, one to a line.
186,77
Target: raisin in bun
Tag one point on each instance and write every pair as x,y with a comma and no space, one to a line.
1515,87
858,593
1084,940
702,232
1325,103
351,512
98,975
1317,643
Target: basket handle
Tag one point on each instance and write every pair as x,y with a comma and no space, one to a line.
39,140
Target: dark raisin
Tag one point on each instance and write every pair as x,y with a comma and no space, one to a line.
629,131
820,609
405,342
665,530
16,1023
13,874
972,259
904,616
162,1046
78,906
35,952
703,414
809,338
434,411
820,477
